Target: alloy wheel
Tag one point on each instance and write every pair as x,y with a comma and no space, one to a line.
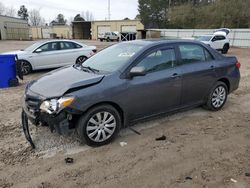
25,67
101,126
219,97
80,60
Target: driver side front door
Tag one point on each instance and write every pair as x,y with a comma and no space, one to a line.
160,89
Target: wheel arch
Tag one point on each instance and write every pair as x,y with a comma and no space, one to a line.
226,81
113,104
32,68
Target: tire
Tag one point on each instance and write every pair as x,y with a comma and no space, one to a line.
217,96
101,40
25,66
108,39
117,39
225,49
91,128
81,59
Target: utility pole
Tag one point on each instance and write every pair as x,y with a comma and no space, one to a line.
109,14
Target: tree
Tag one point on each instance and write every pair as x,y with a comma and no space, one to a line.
35,18
2,8
23,12
10,11
88,16
78,18
154,13
59,20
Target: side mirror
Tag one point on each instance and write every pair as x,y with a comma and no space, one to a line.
137,71
38,50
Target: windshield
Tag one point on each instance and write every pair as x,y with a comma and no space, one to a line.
33,46
113,58
203,38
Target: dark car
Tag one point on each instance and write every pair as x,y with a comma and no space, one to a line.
128,82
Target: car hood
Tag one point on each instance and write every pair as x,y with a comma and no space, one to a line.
17,52
57,83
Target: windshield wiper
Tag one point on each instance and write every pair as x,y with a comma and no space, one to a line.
90,68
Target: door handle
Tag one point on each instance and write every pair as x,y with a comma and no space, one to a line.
212,67
175,75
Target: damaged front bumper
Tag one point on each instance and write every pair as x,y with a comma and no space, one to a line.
61,123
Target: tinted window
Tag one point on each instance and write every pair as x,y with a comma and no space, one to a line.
66,45
220,37
159,60
191,53
209,57
49,47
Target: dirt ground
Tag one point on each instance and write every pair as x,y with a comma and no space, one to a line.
203,149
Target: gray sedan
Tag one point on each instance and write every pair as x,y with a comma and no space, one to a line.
128,82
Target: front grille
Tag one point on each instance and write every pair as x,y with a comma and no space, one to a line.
32,103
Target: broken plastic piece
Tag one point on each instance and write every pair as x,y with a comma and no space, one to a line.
233,180
122,144
163,137
69,160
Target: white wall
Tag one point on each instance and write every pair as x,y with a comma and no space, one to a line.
238,37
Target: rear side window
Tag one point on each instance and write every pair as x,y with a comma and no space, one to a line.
66,45
219,37
191,53
159,60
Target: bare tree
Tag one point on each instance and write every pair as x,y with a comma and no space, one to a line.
88,16
10,11
35,18
2,8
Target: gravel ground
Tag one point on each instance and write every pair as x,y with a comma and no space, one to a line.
203,149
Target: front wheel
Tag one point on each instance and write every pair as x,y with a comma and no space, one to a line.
99,126
80,60
217,97
25,67
225,49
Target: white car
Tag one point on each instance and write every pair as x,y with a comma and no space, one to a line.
109,36
218,40
52,54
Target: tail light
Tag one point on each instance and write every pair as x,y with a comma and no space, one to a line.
94,50
238,64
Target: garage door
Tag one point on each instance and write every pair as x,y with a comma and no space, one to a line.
128,28
102,29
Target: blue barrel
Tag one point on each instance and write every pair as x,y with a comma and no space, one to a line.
7,69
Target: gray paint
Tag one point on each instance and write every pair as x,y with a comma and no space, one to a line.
143,96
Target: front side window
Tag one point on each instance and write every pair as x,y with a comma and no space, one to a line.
191,53
52,46
159,60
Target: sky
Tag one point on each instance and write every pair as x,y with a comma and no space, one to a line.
49,9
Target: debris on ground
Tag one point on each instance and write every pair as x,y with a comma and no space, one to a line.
163,137
247,174
69,160
122,144
233,180
188,178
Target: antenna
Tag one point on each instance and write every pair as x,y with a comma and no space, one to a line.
109,14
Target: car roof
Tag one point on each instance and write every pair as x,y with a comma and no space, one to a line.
154,42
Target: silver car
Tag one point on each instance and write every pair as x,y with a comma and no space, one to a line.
52,54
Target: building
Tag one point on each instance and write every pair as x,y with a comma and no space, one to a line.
56,31
91,30
13,28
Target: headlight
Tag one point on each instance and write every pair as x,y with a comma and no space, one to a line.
54,106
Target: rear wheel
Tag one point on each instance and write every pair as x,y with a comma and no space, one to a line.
99,126
81,59
108,39
26,67
217,97
225,49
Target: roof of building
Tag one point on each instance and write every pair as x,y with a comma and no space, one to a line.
13,18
